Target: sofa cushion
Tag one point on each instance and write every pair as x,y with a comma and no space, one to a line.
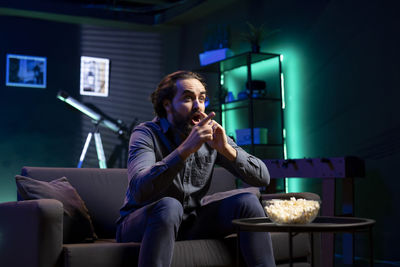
78,226
101,254
203,252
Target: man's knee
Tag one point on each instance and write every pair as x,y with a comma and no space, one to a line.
249,205
168,210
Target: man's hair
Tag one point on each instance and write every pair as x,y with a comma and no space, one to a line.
166,89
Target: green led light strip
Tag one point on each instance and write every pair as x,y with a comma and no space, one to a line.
292,99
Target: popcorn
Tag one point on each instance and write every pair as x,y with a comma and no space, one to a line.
293,211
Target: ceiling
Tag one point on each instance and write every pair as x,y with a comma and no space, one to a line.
138,12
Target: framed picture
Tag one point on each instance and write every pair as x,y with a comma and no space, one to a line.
26,71
94,76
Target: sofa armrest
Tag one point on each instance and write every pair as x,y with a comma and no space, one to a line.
31,233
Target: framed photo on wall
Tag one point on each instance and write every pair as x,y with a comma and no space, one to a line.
94,76
26,71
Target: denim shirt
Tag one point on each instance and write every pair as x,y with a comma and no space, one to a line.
156,170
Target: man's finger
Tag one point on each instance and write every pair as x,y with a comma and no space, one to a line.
204,115
206,119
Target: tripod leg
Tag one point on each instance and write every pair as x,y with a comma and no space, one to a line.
84,150
100,151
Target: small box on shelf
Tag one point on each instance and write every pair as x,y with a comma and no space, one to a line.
216,55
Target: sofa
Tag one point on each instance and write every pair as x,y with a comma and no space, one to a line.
32,232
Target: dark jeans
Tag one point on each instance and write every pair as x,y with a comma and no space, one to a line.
159,224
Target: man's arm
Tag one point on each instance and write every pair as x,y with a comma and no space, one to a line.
246,166
147,176
251,169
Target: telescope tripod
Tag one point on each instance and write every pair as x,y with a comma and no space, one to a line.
99,148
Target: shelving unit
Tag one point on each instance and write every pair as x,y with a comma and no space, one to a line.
247,110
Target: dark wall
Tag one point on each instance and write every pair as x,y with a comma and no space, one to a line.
341,86
36,128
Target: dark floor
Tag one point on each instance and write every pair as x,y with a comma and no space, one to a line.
361,262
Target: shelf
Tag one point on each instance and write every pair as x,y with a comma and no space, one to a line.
244,103
237,61
261,145
254,99
232,74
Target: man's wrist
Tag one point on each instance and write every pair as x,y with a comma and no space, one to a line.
183,153
229,152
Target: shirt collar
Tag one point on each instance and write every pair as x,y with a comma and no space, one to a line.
165,125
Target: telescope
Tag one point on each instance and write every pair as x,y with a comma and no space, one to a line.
117,126
98,118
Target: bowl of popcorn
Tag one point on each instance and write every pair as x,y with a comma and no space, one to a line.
293,211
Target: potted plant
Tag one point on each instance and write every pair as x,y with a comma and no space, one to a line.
256,35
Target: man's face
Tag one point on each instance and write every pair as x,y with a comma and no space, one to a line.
189,101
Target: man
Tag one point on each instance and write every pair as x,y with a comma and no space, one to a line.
170,165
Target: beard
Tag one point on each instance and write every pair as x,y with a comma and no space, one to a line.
182,123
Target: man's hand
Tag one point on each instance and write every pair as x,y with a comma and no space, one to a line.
219,141
201,133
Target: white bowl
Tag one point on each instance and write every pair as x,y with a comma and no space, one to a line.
293,211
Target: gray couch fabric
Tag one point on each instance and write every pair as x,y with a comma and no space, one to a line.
102,253
31,233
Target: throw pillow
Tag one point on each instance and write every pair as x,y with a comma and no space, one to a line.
78,225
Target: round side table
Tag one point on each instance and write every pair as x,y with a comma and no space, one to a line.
320,224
